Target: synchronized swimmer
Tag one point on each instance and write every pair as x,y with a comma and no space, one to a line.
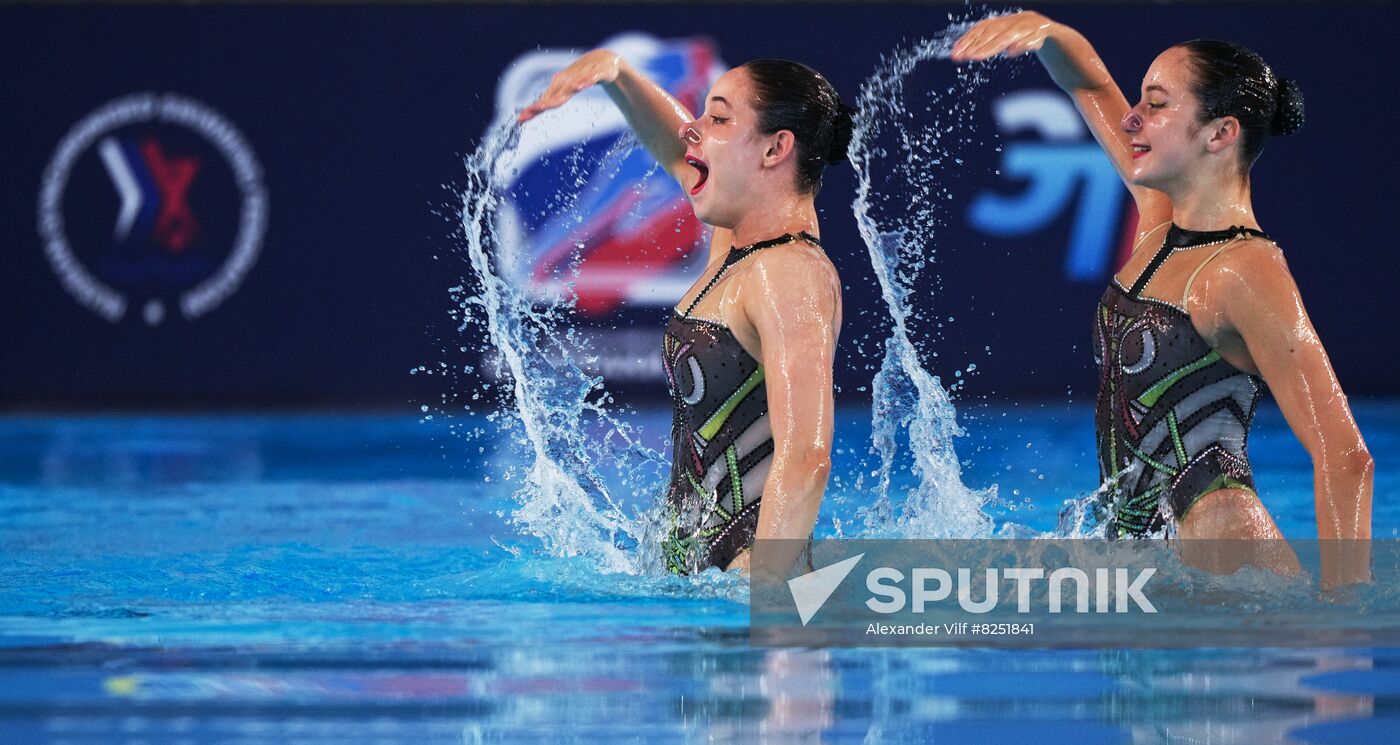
1202,316
1190,329
750,348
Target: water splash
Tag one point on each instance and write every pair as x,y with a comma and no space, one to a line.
564,418
902,160
559,413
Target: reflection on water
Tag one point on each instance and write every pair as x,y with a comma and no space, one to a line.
696,686
359,588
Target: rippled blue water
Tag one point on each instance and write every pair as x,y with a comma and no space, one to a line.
328,578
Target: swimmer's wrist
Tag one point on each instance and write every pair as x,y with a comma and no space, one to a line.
628,84
626,73
1071,60
1058,37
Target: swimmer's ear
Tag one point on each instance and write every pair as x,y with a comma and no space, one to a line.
1224,132
781,146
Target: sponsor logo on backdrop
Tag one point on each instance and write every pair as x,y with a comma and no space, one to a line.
631,231
152,202
1064,171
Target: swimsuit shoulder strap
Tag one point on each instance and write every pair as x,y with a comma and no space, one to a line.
1186,293
1149,233
1152,266
737,255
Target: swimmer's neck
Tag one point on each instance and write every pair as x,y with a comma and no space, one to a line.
1213,203
789,214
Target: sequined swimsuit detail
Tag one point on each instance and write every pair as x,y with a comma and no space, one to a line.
1172,417
720,436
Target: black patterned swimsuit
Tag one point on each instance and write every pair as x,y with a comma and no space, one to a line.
721,440
1172,417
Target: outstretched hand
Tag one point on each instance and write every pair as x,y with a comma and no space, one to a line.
1012,35
597,66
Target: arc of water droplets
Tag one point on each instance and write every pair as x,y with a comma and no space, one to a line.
563,501
907,397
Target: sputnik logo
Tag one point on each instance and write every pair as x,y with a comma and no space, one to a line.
811,591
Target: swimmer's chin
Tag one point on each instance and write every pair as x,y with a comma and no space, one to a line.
1136,177
1144,181
708,218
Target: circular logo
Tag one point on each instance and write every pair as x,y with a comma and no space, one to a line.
155,202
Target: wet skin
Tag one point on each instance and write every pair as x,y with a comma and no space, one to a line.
1243,302
783,304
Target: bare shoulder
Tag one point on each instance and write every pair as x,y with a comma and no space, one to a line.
1254,263
792,277
794,260
1248,281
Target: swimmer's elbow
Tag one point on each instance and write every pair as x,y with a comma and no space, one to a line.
812,465
1361,463
1354,461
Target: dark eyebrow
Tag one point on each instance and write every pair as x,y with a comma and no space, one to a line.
1156,87
719,99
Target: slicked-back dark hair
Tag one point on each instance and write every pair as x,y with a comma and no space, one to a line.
790,95
1231,80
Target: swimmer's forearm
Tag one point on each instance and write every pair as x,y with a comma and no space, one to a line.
652,113
1071,60
1343,483
1344,486
792,497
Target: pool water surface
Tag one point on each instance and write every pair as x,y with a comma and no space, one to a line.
340,577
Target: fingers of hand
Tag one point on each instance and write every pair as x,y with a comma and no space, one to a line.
558,94
562,87
987,38
971,39
548,100
1000,41
1011,39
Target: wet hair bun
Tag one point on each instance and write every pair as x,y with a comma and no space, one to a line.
792,96
842,125
1231,80
1288,117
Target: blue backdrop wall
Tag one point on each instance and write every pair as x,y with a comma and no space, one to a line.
252,205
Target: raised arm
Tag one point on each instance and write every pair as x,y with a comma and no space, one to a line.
650,111
1077,70
1254,295
793,300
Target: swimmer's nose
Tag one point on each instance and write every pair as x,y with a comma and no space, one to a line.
690,134
1132,121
